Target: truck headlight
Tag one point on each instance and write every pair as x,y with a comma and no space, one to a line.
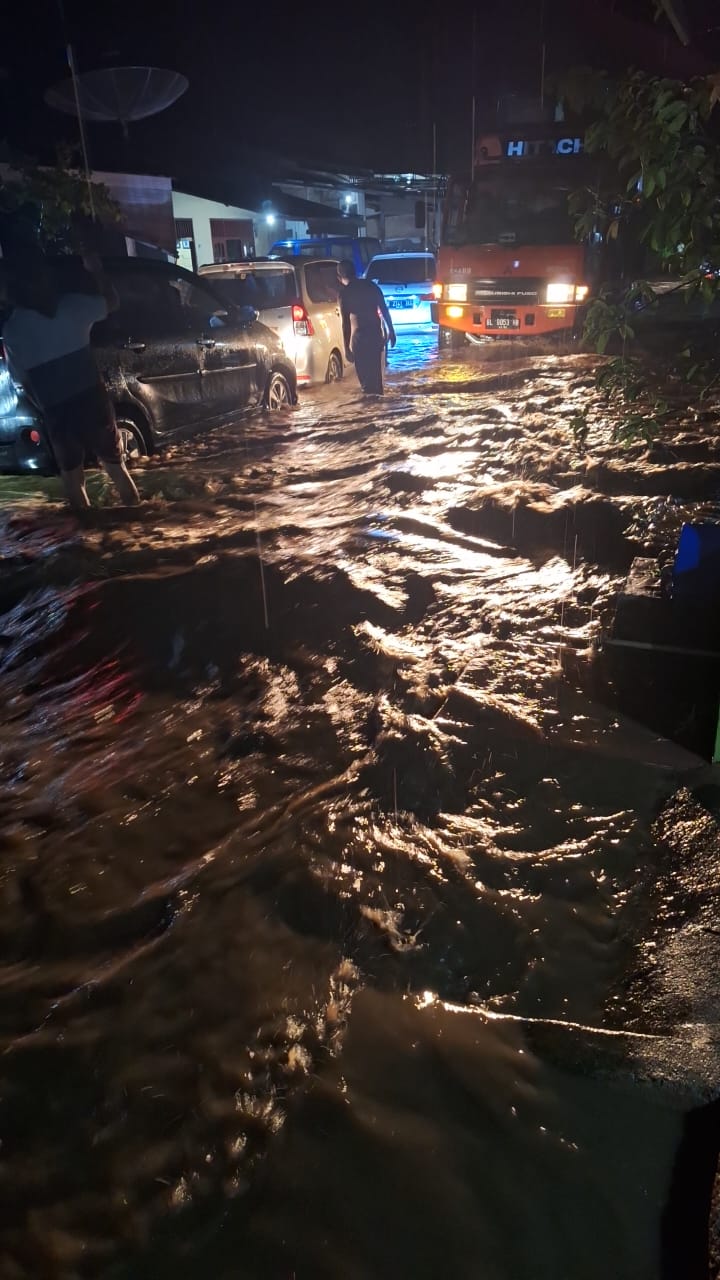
437,292
560,292
456,292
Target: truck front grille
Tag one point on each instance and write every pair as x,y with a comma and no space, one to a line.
506,292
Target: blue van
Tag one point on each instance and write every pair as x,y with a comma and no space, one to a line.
359,251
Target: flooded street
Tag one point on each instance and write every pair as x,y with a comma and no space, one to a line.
340,919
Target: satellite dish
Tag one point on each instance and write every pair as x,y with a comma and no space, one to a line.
119,94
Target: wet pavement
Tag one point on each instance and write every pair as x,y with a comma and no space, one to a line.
349,929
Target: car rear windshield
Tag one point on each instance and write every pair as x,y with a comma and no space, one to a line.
321,281
259,289
402,270
363,249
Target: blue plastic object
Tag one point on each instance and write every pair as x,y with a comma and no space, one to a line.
696,570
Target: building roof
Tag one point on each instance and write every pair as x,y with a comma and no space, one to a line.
260,196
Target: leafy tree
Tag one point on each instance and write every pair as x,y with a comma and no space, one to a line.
45,205
658,167
655,186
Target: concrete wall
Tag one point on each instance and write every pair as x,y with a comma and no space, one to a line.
391,217
146,205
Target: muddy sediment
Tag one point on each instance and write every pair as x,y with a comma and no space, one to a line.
329,859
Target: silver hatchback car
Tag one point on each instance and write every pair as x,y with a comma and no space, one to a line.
298,299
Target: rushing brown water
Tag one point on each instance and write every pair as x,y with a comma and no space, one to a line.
337,898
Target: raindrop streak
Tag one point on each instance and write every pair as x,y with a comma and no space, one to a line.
262,569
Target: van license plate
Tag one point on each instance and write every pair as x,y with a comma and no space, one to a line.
503,320
400,304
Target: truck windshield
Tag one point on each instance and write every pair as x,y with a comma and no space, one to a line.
512,211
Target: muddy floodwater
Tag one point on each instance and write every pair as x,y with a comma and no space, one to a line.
349,928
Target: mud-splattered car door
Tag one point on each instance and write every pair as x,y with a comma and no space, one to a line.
148,352
228,358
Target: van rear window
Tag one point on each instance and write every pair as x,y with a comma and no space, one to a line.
259,289
321,281
401,270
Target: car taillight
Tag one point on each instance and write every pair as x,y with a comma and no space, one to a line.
302,324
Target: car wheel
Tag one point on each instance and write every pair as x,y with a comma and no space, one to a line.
278,394
335,368
132,440
450,339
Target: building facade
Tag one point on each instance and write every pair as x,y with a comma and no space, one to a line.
208,231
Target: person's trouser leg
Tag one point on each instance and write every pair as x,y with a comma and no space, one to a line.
374,379
75,491
358,351
124,483
368,353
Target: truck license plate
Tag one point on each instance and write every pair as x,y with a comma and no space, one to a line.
503,320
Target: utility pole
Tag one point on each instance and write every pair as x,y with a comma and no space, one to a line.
472,89
435,182
542,57
76,91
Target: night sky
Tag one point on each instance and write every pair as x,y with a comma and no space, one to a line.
346,85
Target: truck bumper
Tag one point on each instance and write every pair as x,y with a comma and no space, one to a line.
509,322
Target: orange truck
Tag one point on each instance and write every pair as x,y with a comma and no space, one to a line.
508,264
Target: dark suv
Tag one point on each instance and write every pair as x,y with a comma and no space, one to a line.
175,357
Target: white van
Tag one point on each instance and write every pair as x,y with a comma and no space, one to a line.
406,280
298,299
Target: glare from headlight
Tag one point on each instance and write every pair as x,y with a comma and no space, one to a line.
559,292
581,292
437,291
456,292
454,312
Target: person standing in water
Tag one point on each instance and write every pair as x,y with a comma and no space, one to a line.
47,346
363,309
